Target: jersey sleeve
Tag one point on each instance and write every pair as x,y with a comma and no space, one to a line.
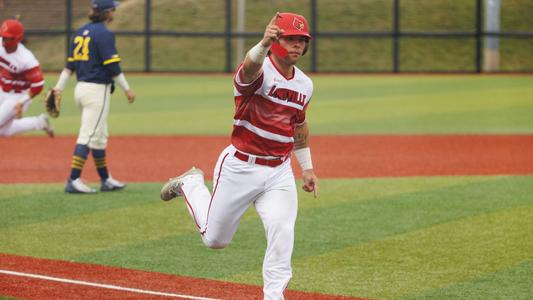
246,88
36,80
113,69
30,61
70,56
106,47
32,74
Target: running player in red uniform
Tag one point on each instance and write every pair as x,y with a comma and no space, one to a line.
271,99
21,79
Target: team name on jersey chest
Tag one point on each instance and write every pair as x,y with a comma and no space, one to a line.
288,95
5,64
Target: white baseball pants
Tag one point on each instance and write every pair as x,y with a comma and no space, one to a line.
236,185
93,100
9,124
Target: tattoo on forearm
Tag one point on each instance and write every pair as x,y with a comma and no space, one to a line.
300,140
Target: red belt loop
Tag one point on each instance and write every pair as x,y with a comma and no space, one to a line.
258,160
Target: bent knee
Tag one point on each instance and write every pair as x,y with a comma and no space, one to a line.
215,244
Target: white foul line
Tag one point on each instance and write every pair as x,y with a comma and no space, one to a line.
105,286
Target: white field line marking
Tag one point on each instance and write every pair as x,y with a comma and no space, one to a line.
105,286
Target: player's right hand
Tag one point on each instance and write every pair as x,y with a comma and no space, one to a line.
130,95
18,110
57,92
272,32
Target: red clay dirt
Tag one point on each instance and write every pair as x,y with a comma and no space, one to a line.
34,288
154,159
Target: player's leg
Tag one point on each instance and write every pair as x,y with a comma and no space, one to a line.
99,102
217,216
28,124
278,208
10,125
90,100
236,184
81,152
196,197
107,182
93,99
7,109
74,183
89,117
99,156
7,113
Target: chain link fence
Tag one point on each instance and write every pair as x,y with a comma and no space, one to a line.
349,35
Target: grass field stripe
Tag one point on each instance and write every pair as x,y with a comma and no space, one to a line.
510,283
18,197
99,285
426,259
93,227
372,189
57,232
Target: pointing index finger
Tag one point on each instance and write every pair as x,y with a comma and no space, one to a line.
273,21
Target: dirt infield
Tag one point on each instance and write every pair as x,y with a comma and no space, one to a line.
155,159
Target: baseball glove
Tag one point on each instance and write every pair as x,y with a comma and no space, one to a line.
52,103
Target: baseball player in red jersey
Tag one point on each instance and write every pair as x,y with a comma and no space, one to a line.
271,99
21,79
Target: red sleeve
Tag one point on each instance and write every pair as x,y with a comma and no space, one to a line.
246,88
36,80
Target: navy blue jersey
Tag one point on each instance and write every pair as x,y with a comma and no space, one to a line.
93,55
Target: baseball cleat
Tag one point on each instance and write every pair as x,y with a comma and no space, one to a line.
172,188
46,126
77,186
111,184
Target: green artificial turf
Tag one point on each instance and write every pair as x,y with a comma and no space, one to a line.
388,238
513,282
204,105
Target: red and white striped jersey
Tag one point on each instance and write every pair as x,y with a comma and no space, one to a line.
20,71
268,110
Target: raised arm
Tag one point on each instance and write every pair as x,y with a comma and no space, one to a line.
254,58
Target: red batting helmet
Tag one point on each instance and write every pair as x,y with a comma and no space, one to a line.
12,29
292,24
